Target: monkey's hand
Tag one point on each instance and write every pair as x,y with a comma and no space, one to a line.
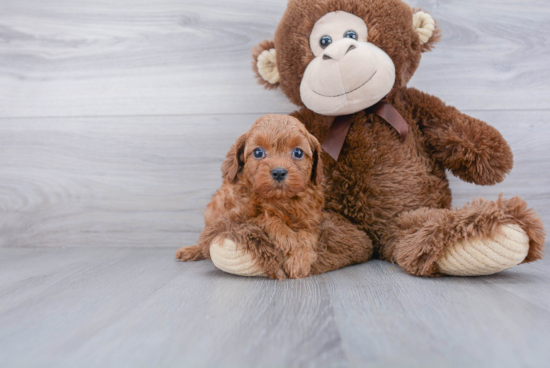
470,148
473,151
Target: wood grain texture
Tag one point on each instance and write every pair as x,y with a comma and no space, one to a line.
145,181
125,57
136,181
139,308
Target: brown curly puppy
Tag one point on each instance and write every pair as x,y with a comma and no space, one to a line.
271,198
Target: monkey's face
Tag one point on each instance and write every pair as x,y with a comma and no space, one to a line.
348,73
340,57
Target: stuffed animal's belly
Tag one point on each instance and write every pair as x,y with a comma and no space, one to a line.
378,177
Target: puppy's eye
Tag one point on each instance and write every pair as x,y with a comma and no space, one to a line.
351,34
298,153
325,41
258,153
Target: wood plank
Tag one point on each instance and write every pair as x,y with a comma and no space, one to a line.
97,58
177,313
138,307
490,56
27,271
110,181
532,283
393,319
144,181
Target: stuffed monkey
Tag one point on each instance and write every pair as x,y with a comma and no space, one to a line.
346,65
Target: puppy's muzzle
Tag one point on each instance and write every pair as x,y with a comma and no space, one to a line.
279,174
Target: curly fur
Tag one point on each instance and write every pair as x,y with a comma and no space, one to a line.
278,222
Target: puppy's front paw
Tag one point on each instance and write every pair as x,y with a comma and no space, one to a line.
297,267
193,253
277,275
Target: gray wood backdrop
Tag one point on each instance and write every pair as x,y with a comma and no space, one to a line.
115,115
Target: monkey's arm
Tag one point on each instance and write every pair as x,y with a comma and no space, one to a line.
470,148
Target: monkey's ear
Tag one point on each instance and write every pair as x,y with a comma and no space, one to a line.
234,160
426,29
264,63
317,164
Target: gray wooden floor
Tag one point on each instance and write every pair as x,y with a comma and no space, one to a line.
115,116
122,307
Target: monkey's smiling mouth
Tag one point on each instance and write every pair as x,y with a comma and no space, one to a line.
345,93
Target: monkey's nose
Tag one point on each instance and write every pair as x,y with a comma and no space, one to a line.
278,173
339,49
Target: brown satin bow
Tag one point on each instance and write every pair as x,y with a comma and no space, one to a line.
334,141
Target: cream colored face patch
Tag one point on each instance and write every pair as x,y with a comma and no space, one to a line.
348,74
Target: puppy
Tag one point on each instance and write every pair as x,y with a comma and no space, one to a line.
271,199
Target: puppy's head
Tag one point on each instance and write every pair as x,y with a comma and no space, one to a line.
277,157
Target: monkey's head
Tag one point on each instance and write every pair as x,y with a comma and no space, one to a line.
338,57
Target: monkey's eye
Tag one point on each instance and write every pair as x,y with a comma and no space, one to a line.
258,153
298,154
325,41
351,34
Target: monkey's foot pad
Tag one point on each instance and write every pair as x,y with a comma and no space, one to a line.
484,256
227,257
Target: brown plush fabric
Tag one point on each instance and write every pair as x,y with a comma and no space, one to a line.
417,239
263,46
389,24
377,178
398,193
436,36
468,147
341,244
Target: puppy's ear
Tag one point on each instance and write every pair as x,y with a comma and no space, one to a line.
317,164
264,63
234,160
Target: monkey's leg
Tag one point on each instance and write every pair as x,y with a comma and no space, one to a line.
341,244
253,256
481,238
245,250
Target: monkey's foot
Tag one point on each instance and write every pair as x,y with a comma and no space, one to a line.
229,258
486,256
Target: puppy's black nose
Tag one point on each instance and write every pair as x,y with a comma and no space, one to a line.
278,173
